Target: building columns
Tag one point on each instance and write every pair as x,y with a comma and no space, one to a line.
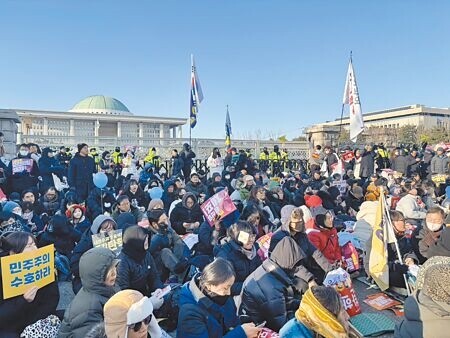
174,132
71,128
119,129
45,131
180,131
96,128
141,130
161,130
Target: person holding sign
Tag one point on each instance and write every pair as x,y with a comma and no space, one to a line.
36,303
187,215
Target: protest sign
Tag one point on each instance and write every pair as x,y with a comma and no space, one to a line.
341,185
111,240
22,271
20,165
219,204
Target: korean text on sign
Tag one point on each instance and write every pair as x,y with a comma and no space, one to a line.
219,204
22,271
111,240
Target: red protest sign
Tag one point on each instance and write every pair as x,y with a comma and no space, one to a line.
219,204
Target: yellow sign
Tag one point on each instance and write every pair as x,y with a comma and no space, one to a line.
22,271
111,240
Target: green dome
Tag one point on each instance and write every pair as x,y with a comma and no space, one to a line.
99,104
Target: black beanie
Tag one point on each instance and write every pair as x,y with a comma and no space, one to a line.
81,146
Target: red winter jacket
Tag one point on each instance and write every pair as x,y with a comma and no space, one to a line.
327,242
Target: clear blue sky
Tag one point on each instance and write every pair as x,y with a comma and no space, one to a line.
280,65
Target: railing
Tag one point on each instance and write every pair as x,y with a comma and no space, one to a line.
202,147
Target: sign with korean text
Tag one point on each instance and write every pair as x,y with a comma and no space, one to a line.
219,204
111,240
22,271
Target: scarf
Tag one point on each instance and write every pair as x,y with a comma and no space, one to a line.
318,319
250,254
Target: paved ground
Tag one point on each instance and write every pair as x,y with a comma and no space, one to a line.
66,296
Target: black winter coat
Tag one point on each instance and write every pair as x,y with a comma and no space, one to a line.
400,164
81,169
94,202
268,293
243,266
16,313
47,167
181,214
367,164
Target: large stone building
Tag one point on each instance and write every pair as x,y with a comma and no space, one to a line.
389,119
97,120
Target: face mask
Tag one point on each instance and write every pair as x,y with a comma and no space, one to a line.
23,153
18,213
434,226
163,226
50,155
227,177
218,299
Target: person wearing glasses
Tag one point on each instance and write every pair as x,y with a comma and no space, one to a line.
241,251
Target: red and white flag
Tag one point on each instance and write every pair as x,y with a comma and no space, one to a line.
351,97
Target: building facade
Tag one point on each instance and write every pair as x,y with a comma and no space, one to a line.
92,119
390,119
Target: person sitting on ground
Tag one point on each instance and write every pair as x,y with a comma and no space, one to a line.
186,216
98,278
10,222
196,187
427,310
325,238
210,236
137,269
425,238
32,219
100,202
76,215
321,313
408,205
130,314
241,251
313,265
442,245
18,312
207,308
101,224
166,246
136,195
124,205
396,269
270,293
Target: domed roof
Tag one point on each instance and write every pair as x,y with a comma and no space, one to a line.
99,104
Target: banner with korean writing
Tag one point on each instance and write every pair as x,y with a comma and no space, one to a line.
111,240
22,271
219,204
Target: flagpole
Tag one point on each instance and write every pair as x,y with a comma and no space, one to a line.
342,111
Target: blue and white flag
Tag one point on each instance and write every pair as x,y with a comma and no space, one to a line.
196,94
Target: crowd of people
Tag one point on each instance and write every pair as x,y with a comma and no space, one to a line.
224,284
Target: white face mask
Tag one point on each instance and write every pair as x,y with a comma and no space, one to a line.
23,153
434,226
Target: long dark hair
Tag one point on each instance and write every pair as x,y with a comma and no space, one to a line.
127,185
216,152
15,242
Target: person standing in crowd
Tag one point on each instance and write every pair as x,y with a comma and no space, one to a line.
18,312
177,164
207,308
81,169
187,156
264,159
367,162
63,157
22,172
413,160
48,165
331,160
241,251
400,162
215,163
321,313
356,163
439,163
98,272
